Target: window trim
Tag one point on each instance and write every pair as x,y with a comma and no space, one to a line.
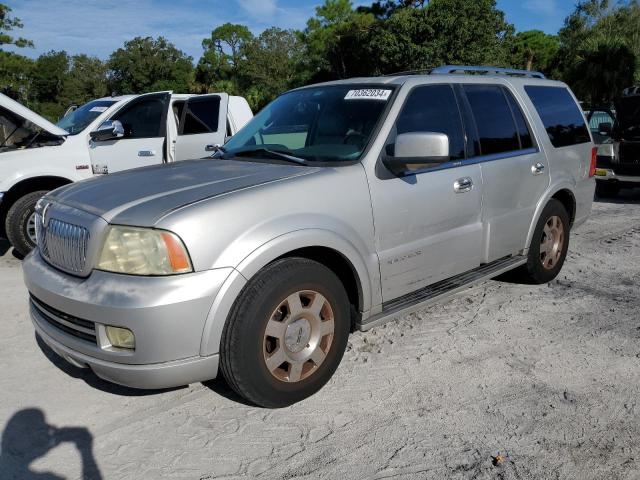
162,132
452,164
186,109
544,127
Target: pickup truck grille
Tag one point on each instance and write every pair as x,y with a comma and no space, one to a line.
63,244
77,327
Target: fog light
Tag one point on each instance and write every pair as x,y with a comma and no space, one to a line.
121,337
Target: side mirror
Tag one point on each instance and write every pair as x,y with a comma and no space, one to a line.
108,130
605,128
417,149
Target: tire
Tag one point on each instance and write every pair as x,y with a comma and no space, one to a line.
17,222
607,189
541,266
267,325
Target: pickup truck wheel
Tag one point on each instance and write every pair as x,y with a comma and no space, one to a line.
549,245
607,189
286,333
20,223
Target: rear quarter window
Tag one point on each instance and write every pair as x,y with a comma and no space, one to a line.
560,115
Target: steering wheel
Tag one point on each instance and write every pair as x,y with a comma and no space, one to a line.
353,134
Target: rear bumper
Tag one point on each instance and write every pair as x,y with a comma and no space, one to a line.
608,174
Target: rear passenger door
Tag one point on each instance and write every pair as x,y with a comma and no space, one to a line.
203,124
514,170
427,228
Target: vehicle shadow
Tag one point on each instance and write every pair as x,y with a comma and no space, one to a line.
626,196
91,379
220,387
27,437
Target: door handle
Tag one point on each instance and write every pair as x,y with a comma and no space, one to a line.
463,185
212,147
147,153
537,169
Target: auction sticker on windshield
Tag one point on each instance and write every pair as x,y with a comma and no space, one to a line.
368,94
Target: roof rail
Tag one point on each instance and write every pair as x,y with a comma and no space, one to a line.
486,71
408,72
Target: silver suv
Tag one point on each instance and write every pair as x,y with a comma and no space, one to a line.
339,206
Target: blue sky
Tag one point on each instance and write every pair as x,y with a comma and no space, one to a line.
98,27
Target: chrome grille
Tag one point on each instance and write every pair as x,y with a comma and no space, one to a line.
63,244
78,327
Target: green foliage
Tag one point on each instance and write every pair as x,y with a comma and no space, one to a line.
272,63
147,64
7,24
223,53
599,49
534,50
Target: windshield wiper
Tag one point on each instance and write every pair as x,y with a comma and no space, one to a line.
273,153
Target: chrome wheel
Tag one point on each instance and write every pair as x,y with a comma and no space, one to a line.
31,228
552,242
298,336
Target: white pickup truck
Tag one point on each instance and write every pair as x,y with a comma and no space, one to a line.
103,136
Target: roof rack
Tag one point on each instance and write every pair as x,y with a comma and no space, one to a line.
486,71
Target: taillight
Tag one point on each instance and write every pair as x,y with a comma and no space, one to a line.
592,167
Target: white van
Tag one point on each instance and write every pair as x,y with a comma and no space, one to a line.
103,136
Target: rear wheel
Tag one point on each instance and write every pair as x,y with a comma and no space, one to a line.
21,222
607,189
549,245
286,333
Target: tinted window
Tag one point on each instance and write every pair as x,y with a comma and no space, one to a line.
494,121
521,124
598,120
559,114
143,118
201,116
434,108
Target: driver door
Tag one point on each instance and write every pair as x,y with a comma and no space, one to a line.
203,124
145,122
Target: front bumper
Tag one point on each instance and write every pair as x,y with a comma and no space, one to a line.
166,314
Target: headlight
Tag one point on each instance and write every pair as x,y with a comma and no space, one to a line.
143,251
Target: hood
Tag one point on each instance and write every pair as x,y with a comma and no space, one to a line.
144,195
628,115
31,116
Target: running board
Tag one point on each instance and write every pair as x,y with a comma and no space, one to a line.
441,290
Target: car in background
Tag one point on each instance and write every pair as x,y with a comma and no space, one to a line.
618,141
103,136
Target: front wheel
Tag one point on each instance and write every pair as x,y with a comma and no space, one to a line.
286,333
549,245
21,222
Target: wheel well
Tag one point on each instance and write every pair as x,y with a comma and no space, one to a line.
27,186
338,264
568,201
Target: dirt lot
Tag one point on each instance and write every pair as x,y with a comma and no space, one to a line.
546,377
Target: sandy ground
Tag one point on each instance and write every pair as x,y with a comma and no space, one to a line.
546,376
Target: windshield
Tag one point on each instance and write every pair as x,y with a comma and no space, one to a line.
80,118
328,124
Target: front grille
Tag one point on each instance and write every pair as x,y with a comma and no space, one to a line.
77,327
63,244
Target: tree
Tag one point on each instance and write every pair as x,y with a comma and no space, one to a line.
85,81
16,72
7,24
147,64
48,77
534,49
272,64
222,56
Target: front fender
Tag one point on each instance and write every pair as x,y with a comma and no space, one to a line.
365,269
